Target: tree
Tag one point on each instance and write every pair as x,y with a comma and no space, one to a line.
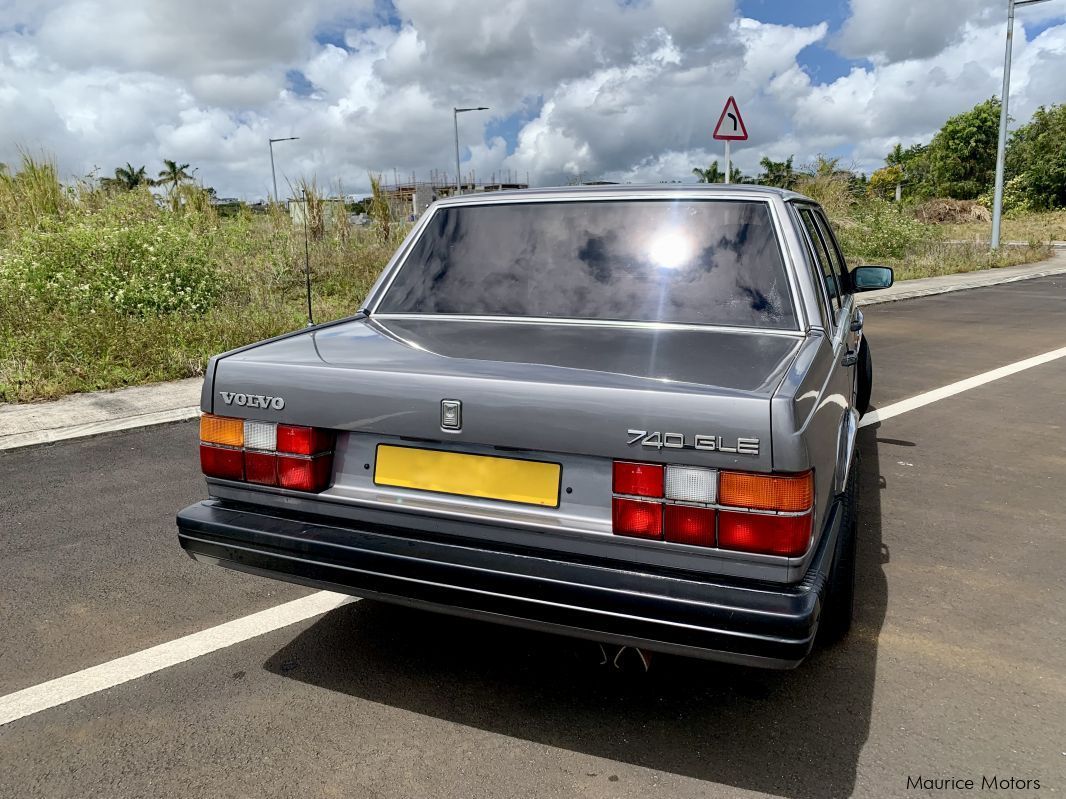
778,173
883,181
127,178
1036,159
173,174
962,155
711,174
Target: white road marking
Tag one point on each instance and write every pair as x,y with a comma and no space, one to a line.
937,394
115,672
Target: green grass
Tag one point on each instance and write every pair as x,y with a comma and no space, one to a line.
101,290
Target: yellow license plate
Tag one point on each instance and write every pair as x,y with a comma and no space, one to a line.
484,476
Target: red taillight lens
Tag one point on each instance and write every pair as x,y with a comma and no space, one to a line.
638,519
683,524
304,474
638,479
303,440
261,467
765,534
226,464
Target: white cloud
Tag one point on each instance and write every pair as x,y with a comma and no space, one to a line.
625,91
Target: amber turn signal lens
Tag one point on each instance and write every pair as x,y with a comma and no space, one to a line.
766,492
221,430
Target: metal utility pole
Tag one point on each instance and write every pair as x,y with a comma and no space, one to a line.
455,120
1001,150
273,174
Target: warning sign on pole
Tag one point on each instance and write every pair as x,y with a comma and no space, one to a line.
730,127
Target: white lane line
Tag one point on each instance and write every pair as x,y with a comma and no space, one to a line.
107,675
913,403
115,672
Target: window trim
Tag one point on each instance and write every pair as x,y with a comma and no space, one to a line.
381,289
817,274
825,230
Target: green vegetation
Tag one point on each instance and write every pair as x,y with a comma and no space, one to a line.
105,287
960,161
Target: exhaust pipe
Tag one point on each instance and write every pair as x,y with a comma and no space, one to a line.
625,658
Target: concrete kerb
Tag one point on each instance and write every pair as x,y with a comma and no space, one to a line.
100,412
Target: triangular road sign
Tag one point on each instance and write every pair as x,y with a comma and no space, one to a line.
730,125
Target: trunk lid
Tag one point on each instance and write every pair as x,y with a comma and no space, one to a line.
547,387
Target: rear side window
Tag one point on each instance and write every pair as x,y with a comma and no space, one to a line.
839,269
829,277
709,262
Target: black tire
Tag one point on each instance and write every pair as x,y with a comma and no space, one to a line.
865,378
840,588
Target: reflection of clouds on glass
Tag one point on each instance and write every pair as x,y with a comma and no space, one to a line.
701,262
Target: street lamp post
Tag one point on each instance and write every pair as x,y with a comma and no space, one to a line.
1001,149
455,120
273,174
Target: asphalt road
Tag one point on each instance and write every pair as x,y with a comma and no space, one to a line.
955,668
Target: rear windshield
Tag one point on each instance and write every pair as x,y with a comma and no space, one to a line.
706,262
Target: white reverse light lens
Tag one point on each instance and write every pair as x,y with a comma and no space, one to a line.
691,485
260,435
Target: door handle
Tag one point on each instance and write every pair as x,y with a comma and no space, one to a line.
856,323
851,357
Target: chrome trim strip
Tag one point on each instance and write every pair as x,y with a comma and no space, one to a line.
558,320
715,506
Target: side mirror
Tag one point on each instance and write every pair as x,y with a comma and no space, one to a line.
869,278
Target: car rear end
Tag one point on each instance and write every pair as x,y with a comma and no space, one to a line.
553,413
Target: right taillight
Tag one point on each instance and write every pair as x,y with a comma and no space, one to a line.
768,514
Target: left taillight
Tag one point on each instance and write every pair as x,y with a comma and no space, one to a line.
265,453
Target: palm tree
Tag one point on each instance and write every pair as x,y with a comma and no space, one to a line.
711,174
127,178
173,174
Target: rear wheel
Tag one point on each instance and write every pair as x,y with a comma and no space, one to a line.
865,377
840,589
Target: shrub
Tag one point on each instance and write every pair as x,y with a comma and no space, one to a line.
150,266
880,230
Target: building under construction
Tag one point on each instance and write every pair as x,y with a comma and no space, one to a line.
410,198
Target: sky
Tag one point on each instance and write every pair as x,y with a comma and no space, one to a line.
623,90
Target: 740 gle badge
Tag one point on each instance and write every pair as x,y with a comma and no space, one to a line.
657,440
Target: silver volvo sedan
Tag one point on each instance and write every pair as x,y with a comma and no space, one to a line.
621,413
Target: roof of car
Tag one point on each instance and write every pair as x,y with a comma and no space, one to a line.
613,190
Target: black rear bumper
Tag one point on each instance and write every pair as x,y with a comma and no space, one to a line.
756,624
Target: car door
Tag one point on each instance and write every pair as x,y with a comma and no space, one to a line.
845,324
